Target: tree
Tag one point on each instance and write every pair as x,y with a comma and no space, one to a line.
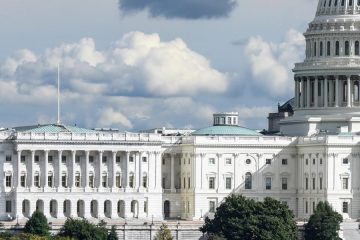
37,224
83,230
112,235
164,233
240,218
324,224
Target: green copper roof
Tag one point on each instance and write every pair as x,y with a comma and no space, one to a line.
226,130
53,128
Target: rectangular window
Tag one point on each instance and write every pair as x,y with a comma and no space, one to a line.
268,161
184,183
77,180
306,207
63,159
64,181
268,183
91,181
314,206
228,161
307,162
306,183
345,183
22,158
284,183
50,181
228,181
321,161
145,206
131,159
144,181
118,181
104,181
8,181
22,180
212,206
8,158
50,159
211,182
163,182
345,161
37,181
320,183
91,159
189,183
8,206
131,181
211,161
313,161
118,159
284,161
179,161
37,158
144,159
345,207
77,159
104,159
313,183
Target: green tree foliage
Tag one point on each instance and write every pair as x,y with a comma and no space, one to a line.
324,224
37,224
164,233
83,230
112,235
239,218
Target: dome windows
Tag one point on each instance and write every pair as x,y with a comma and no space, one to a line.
342,3
357,49
321,49
347,48
337,48
328,48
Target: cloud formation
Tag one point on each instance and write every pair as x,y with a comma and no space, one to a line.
271,63
185,9
123,86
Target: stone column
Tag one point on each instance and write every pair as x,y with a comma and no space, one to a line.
326,91
87,155
46,168
127,153
158,173
316,90
172,173
348,91
32,169
59,169
100,169
138,170
302,93
73,159
18,168
337,91
308,99
113,175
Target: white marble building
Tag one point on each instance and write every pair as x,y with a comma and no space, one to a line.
70,171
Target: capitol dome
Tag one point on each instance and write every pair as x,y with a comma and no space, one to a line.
327,82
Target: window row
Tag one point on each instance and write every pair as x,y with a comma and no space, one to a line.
248,184
328,48
64,159
77,180
229,161
334,3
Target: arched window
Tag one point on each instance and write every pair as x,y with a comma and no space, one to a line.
337,48
248,181
357,48
350,2
321,49
328,48
356,91
335,4
358,2
324,3
144,180
131,180
347,48
342,3
314,49
329,3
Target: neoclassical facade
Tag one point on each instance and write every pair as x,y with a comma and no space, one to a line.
67,171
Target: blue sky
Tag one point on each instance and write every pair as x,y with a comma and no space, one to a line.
136,64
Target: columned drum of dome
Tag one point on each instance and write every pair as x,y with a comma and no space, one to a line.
327,93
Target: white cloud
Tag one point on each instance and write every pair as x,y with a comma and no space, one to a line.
271,63
109,118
